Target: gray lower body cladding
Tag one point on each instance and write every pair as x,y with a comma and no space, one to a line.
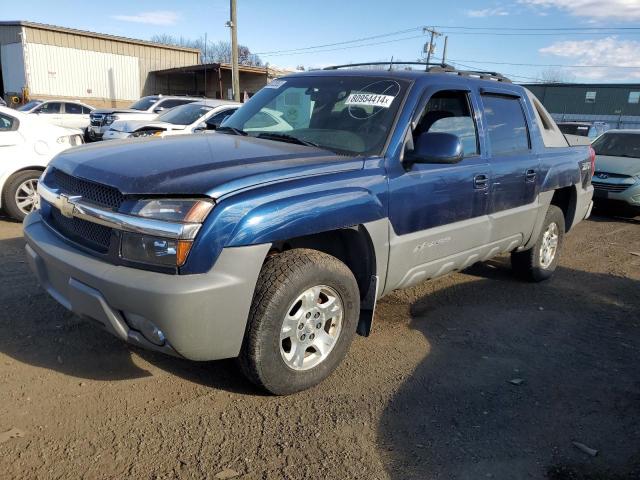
203,317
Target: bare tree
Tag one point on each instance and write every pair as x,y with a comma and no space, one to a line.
556,75
215,52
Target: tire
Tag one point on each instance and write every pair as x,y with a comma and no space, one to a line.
15,189
304,279
533,265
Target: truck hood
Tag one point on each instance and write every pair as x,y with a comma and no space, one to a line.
618,165
212,164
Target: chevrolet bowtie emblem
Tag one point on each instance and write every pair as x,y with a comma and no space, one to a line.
67,204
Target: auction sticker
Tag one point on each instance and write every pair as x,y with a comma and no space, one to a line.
370,100
275,84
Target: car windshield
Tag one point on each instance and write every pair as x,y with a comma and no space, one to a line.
347,114
618,145
573,129
144,103
185,114
28,106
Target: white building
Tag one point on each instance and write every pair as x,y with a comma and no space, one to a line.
45,61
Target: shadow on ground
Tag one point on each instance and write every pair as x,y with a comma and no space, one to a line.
573,342
36,330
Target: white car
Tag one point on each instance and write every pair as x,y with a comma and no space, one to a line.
63,113
27,144
185,119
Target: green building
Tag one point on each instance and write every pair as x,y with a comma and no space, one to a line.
617,104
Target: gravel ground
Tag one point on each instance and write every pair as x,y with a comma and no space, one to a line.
427,396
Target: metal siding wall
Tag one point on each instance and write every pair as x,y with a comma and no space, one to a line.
72,72
13,73
9,34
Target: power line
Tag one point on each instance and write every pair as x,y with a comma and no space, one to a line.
535,28
346,42
538,34
549,65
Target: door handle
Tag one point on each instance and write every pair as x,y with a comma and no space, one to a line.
481,181
530,175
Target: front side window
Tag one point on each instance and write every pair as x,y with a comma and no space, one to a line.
506,124
49,108
73,108
7,123
216,120
351,115
618,145
450,112
185,114
173,103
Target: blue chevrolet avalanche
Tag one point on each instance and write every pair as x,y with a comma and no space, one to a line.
272,238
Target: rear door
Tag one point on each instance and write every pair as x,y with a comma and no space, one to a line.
74,116
514,166
439,212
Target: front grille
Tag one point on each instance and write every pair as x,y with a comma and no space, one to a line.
96,119
97,193
610,187
91,235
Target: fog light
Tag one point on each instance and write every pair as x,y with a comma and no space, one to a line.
146,328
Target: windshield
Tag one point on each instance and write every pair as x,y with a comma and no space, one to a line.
184,114
28,106
573,129
144,103
346,114
618,145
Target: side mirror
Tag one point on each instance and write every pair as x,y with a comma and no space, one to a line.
436,148
200,127
158,110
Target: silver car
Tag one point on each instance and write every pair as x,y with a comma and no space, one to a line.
617,172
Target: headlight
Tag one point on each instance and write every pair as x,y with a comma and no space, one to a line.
147,133
72,140
63,140
157,250
110,119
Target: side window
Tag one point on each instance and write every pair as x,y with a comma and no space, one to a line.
49,108
216,120
73,108
86,110
450,112
173,103
8,123
506,124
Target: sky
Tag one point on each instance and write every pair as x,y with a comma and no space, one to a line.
527,40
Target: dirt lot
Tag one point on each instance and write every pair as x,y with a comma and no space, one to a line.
427,396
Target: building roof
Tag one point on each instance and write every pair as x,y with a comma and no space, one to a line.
104,36
212,66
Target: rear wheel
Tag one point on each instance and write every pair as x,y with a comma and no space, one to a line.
19,197
302,320
539,262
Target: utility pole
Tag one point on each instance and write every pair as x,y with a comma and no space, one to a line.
432,44
235,74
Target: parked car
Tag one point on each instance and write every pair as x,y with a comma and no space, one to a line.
27,145
189,118
582,133
617,174
273,246
63,113
147,108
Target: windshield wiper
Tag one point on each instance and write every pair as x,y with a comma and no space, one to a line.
283,137
232,130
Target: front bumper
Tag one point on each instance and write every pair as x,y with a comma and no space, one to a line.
203,317
630,196
115,135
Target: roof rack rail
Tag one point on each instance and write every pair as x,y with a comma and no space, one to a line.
431,68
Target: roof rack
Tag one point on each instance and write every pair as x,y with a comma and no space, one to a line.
431,68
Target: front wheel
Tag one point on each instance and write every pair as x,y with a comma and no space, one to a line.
302,320
20,197
539,262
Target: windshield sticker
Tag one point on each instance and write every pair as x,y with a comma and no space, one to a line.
370,100
275,84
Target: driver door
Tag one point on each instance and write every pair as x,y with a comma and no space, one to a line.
439,211
51,112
